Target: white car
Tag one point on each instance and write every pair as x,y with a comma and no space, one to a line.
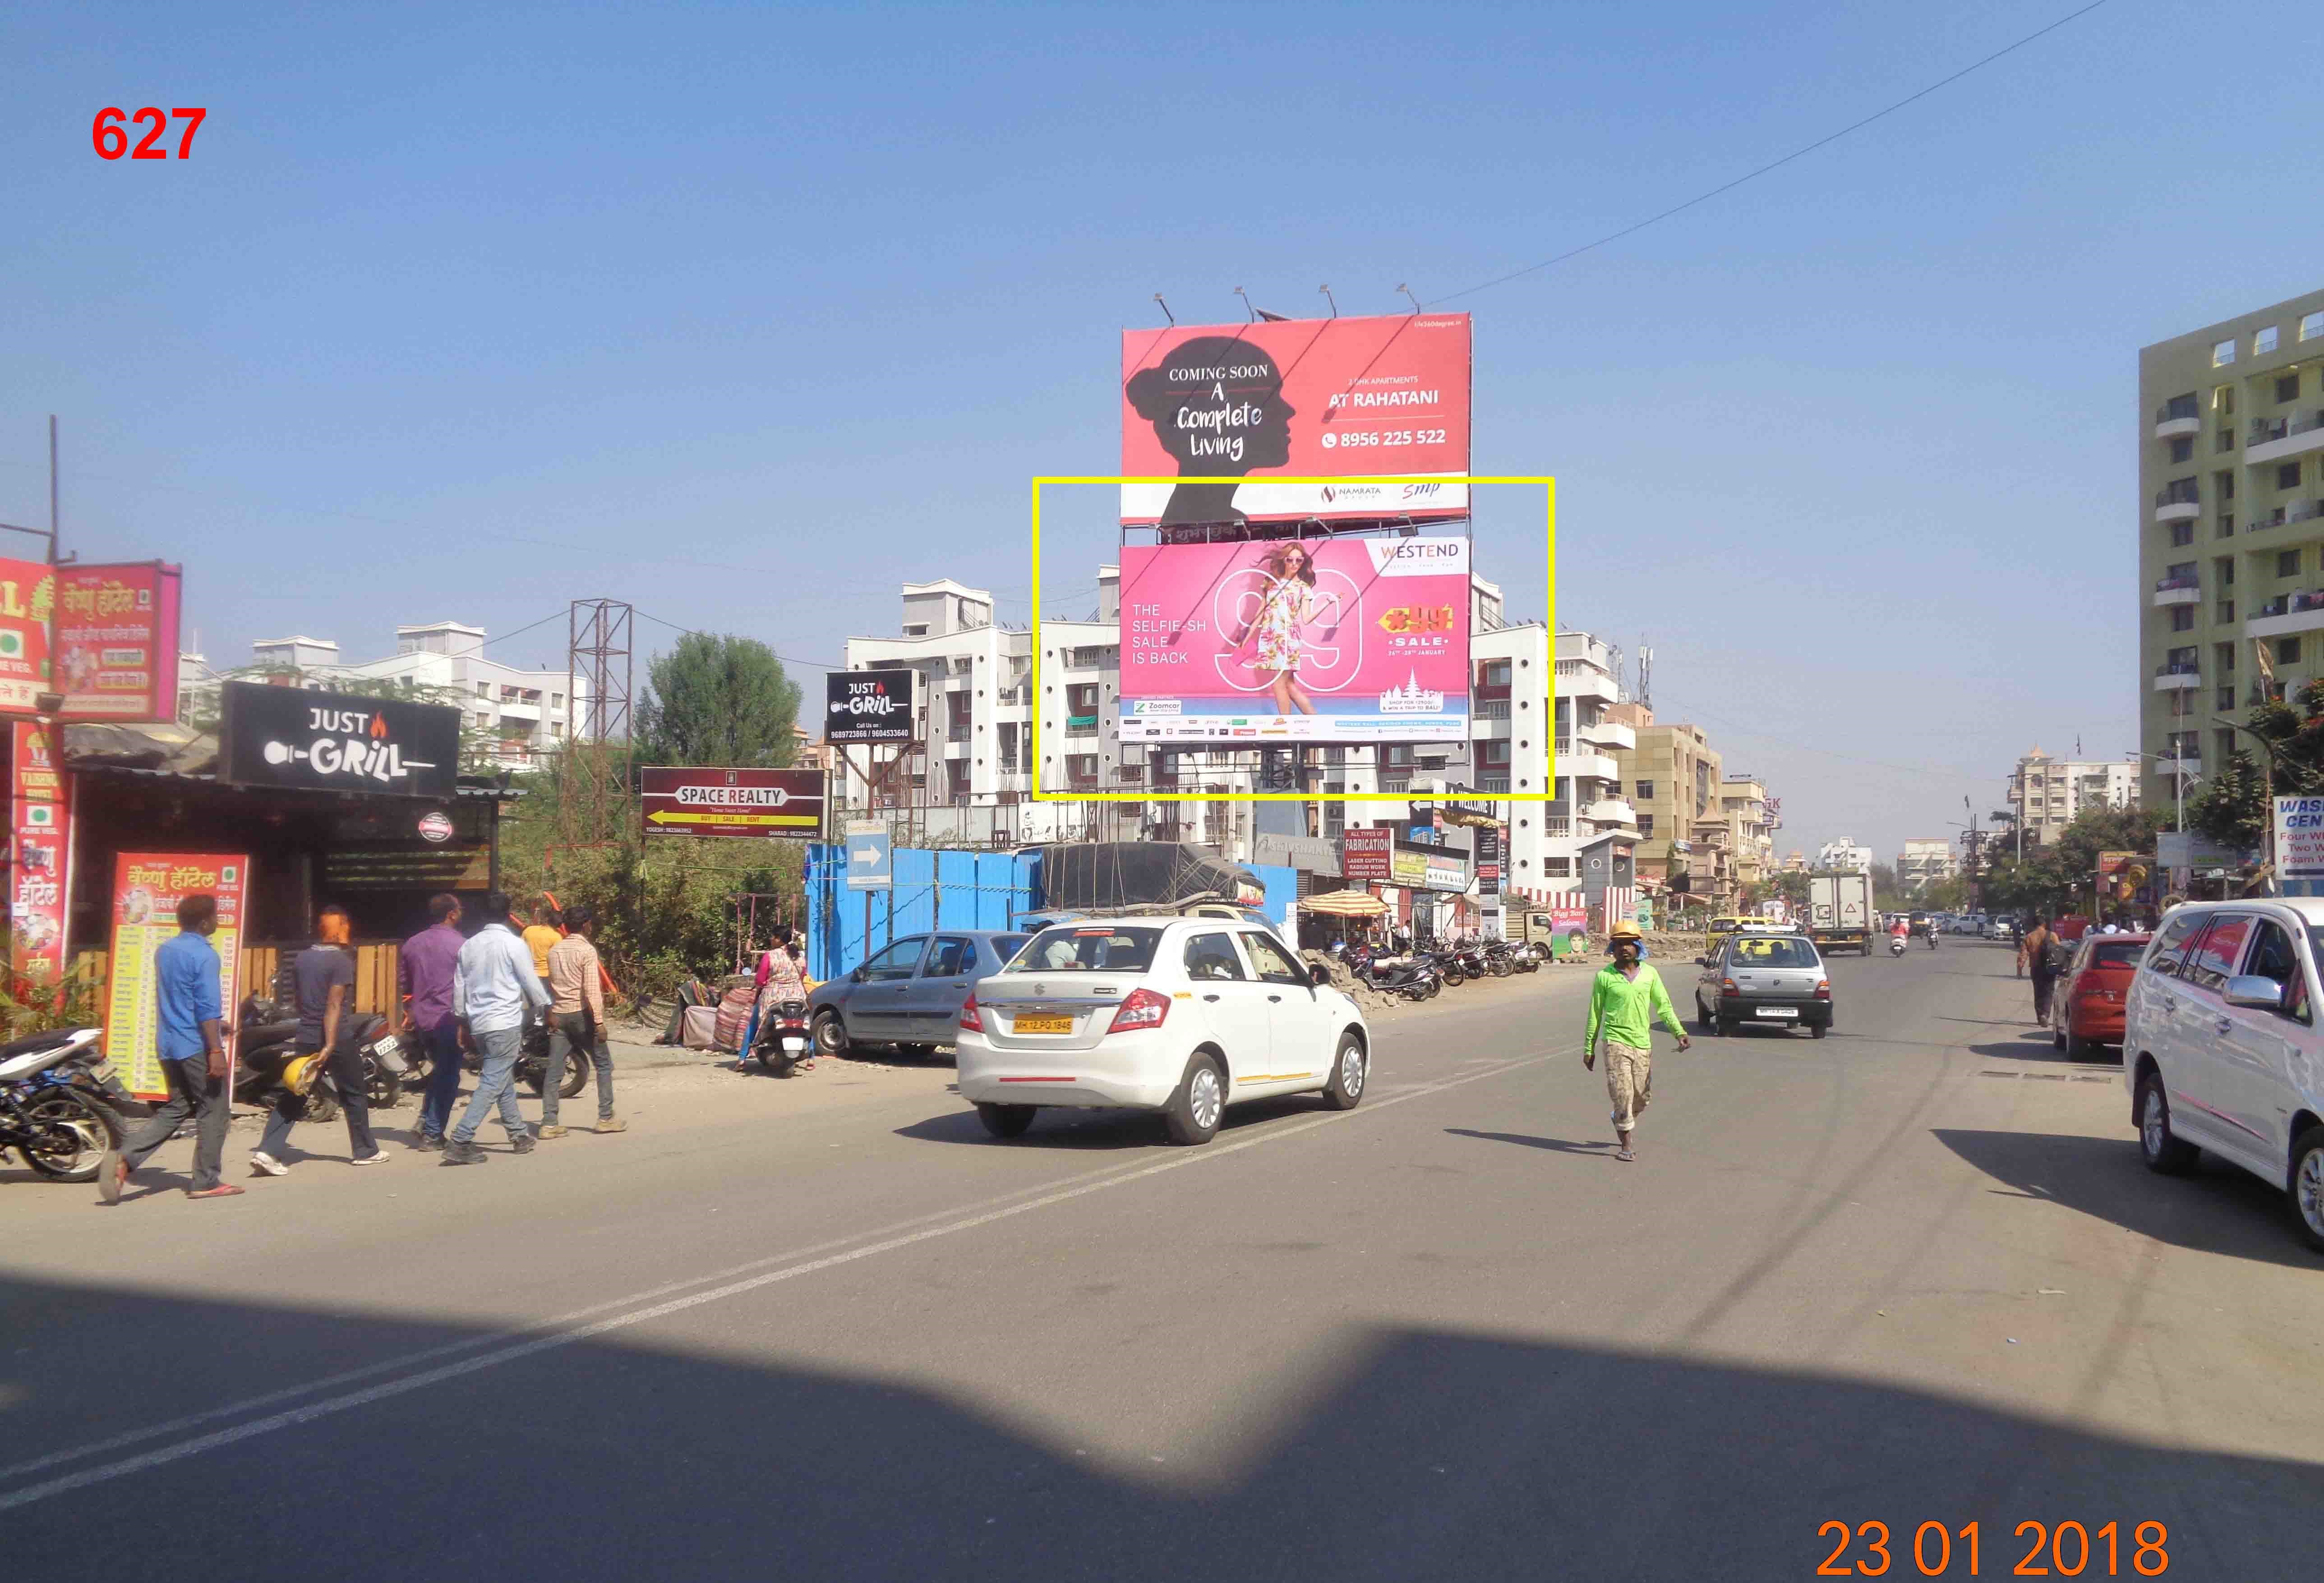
2000,929
2220,1046
1182,1015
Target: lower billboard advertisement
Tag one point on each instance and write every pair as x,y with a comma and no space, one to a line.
1348,639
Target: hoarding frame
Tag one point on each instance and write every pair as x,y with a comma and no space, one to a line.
1548,485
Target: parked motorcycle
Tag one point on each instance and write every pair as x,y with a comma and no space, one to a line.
1501,960
57,1099
1413,977
531,1062
268,1043
785,1039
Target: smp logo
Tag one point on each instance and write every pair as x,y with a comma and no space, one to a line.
1422,491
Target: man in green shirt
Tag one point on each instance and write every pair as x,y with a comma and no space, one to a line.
1624,1001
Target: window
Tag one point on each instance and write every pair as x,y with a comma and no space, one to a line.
2182,449
2212,962
2287,386
2223,400
2287,563
2181,571
1646,791
1773,951
2311,326
916,628
1274,967
1212,957
2273,957
2287,652
2223,354
2225,440
2222,697
2223,570
1497,673
2182,533
2264,341
2182,618
1497,751
951,957
484,689
895,962
2287,475
1646,826
2223,485
2180,407
1068,948
2169,951
1558,868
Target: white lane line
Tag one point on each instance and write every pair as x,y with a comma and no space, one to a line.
404,1383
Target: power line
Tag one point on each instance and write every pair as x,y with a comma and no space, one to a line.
1773,164
786,659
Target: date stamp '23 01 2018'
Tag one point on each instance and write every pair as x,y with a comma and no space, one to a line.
109,132
2068,1551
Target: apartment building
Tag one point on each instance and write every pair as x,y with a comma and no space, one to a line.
1925,859
523,710
2046,793
2231,527
969,779
1675,780
1844,856
1751,826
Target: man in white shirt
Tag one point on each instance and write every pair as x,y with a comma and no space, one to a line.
492,985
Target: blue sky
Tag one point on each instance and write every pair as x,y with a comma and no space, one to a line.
748,313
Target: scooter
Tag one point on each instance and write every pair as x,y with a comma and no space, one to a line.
784,1039
57,1099
1897,945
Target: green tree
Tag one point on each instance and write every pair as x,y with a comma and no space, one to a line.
2064,876
1886,896
720,701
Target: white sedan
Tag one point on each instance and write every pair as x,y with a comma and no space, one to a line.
1184,1016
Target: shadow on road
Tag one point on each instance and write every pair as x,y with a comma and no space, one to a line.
1404,1454
1060,1127
1561,1145
2217,1208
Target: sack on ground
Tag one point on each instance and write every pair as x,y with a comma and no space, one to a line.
701,1031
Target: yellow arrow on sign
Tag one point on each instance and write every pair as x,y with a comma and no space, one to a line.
767,819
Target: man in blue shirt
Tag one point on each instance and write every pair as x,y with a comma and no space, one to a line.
192,1046
493,984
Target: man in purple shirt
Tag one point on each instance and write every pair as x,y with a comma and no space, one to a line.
429,959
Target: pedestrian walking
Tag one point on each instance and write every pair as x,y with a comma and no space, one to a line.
325,973
2035,956
426,969
190,1036
1624,1001
493,988
576,1019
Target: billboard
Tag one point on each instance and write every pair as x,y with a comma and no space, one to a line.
27,588
337,741
869,706
752,802
146,889
40,816
1305,398
1355,640
117,641
1363,853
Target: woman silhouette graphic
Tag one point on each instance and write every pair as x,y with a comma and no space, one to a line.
1216,404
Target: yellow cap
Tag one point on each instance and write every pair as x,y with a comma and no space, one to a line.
1625,930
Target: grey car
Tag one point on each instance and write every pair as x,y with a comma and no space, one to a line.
911,992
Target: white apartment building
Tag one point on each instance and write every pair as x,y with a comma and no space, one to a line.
524,711
1925,859
2046,793
970,779
1844,856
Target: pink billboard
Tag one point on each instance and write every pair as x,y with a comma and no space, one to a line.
1342,639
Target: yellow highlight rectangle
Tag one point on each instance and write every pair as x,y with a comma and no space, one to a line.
1548,794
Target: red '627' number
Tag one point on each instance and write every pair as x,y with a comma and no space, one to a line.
112,141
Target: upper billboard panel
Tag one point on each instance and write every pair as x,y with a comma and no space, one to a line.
1330,397
1348,639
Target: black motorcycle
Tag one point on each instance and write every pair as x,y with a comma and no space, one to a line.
531,1062
1415,978
57,1099
269,1042
784,1039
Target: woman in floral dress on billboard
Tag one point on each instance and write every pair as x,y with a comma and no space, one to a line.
1286,605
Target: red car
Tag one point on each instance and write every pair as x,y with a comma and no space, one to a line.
2088,1008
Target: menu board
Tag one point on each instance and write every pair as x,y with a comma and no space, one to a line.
146,889
38,825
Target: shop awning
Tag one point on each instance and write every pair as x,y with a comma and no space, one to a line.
1345,904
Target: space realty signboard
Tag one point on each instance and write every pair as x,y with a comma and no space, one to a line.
755,803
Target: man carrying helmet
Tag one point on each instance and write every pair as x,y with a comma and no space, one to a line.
1624,1001
326,976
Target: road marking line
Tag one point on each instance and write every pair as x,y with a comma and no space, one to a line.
404,1383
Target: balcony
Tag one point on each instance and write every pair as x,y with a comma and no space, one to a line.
1608,734
2191,767
2274,438
2178,504
2170,677
2178,419
1579,679
2179,590
957,732
1492,709
1492,782
1611,811
2287,613
1574,759
1557,824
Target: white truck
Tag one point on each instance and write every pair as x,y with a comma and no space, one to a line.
1839,911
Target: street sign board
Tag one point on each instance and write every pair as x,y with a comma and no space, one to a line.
870,705
869,859
1363,853
2300,844
754,803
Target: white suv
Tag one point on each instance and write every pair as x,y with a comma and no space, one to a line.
2221,1049
1184,1016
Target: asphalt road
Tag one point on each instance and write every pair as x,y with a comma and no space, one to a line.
1910,1272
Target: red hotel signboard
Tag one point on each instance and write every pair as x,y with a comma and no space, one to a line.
116,653
1363,854
752,802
